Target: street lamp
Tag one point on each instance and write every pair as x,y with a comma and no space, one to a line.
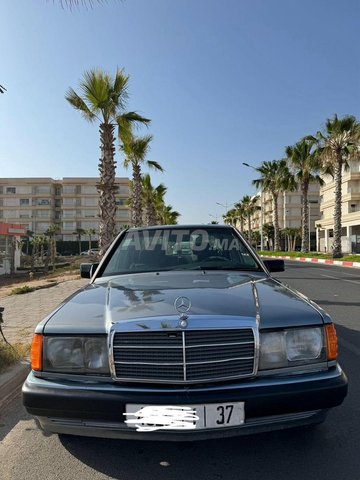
227,205
261,211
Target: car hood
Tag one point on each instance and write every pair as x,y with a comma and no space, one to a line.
213,294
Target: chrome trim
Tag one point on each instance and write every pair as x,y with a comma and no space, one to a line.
180,346
256,331
184,355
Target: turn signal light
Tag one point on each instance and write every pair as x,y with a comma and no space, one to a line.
36,352
331,342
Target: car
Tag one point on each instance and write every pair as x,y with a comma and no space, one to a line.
183,334
93,251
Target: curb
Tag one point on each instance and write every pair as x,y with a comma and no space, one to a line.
10,382
325,261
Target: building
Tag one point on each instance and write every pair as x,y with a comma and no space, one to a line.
289,211
10,236
350,221
71,203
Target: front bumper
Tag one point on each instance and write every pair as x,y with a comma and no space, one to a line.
97,409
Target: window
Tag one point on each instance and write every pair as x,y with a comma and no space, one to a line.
120,202
11,190
24,201
43,189
69,226
43,201
88,190
68,189
69,201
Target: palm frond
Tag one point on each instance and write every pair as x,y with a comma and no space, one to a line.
119,89
154,165
96,88
78,103
134,118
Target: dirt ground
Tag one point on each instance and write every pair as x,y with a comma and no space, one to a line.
9,282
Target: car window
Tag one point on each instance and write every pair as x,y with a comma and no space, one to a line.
180,249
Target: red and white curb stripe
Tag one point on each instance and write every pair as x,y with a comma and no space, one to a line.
326,261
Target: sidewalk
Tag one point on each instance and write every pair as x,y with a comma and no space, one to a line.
325,261
22,313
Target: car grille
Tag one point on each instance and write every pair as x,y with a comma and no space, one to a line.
184,356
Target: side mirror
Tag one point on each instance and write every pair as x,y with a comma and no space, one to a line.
87,269
274,264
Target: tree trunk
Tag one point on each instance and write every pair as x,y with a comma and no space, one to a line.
276,221
150,213
136,214
305,218
249,227
107,187
337,208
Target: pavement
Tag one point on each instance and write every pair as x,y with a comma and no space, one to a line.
21,315
23,312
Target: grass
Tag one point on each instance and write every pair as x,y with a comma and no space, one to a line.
9,355
21,290
346,258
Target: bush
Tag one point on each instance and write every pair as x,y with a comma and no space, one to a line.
21,290
11,354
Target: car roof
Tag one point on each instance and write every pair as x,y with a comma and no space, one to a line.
181,227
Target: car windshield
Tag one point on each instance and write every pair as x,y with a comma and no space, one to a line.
165,249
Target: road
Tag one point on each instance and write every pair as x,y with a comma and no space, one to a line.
329,452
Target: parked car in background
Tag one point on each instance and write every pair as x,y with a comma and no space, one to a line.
183,334
93,251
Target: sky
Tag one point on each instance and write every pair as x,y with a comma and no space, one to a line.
223,81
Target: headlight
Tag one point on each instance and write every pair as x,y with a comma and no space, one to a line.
86,355
291,347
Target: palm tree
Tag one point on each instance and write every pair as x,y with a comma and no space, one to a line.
275,178
153,198
249,206
159,201
304,165
76,3
104,99
337,146
2,89
79,232
231,216
168,216
240,215
29,235
135,150
90,232
51,232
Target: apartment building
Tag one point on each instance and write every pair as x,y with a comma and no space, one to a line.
71,203
350,221
289,211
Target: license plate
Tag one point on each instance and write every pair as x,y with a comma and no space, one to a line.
185,417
